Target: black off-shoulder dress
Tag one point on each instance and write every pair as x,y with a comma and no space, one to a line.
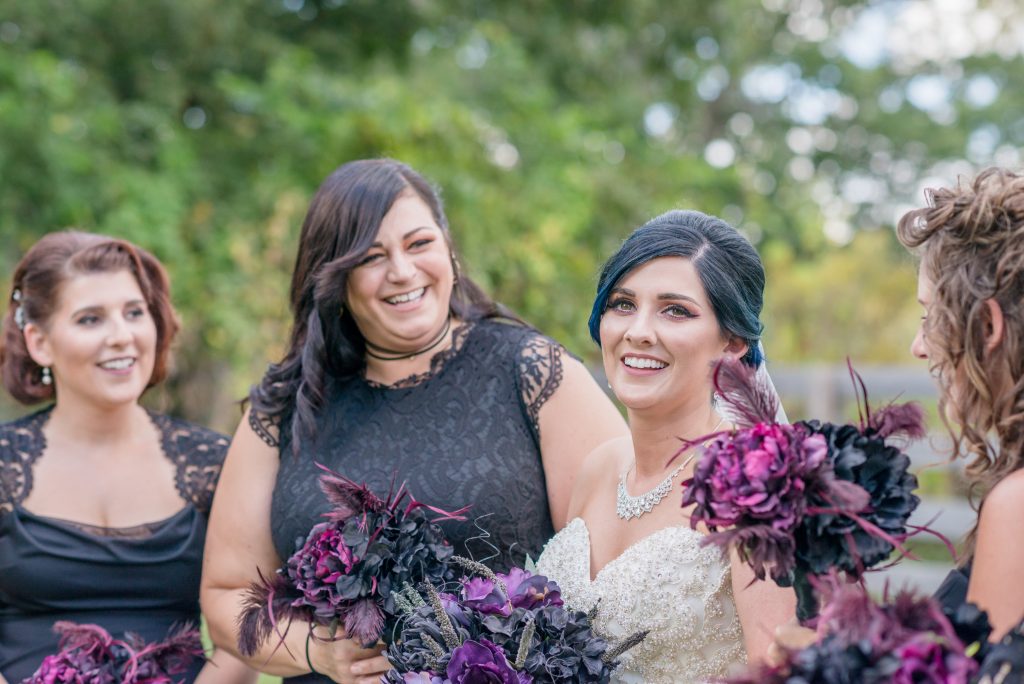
143,579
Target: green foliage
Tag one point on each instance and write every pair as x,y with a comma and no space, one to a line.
200,129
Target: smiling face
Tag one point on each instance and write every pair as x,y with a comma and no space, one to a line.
100,342
399,293
660,337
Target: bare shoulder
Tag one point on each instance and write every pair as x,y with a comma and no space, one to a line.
600,470
1005,503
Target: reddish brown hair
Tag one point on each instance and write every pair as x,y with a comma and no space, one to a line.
971,242
38,278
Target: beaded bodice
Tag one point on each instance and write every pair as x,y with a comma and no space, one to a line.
666,583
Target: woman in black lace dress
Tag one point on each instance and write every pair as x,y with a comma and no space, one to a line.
398,366
971,286
103,504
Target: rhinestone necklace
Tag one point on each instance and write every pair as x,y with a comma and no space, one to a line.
628,506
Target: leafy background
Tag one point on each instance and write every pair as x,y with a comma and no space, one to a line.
200,129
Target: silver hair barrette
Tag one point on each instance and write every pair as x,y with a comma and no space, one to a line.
19,313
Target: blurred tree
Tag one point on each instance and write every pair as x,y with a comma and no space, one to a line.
200,129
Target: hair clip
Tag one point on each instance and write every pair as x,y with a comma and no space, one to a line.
19,312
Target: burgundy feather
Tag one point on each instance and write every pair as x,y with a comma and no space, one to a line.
174,654
347,498
903,420
266,603
364,621
751,399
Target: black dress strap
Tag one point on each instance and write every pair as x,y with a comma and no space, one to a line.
22,442
198,455
539,370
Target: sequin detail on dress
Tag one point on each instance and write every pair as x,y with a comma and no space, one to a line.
666,583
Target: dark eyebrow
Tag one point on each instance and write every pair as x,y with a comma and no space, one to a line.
407,235
672,296
623,291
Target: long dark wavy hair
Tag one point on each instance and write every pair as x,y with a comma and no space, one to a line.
325,343
971,242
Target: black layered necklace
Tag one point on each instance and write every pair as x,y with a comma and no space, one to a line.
382,354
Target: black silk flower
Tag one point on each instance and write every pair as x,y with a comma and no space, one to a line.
836,540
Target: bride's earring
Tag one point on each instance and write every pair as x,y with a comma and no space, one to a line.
47,378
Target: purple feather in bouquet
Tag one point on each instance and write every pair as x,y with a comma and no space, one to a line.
799,500
904,640
350,569
506,628
90,655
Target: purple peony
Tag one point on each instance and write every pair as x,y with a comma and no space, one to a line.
317,567
525,590
481,662
756,481
925,659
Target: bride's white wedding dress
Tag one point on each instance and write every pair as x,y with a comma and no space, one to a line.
666,583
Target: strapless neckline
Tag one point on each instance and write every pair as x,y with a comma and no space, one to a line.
633,548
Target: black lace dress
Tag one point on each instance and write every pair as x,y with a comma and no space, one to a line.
464,433
142,579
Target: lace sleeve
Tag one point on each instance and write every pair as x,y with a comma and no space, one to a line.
267,428
540,374
198,454
22,442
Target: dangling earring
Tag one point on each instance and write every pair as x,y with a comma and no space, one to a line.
47,378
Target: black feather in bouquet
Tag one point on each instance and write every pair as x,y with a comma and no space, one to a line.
350,568
803,499
90,655
506,629
904,640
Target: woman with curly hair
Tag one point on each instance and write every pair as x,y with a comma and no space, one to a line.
970,239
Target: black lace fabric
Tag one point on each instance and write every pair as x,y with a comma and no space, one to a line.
466,432
197,454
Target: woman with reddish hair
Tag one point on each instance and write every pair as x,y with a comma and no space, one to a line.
103,504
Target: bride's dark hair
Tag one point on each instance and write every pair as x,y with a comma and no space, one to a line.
339,228
729,268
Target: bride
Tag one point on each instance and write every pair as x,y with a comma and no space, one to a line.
683,291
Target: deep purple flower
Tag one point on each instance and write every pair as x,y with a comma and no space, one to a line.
90,655
755,482
318,565
925,659
525,590
481,662
422,678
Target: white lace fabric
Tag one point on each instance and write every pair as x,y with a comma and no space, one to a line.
666,583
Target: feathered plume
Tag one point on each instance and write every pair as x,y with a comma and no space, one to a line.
347,498
751,399
266,603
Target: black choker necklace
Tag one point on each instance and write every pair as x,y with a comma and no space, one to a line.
391,355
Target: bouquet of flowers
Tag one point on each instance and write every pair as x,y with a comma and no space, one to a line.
907,639
350,569
505,628
90,655
800,500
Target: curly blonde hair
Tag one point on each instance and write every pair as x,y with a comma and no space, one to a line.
971,242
